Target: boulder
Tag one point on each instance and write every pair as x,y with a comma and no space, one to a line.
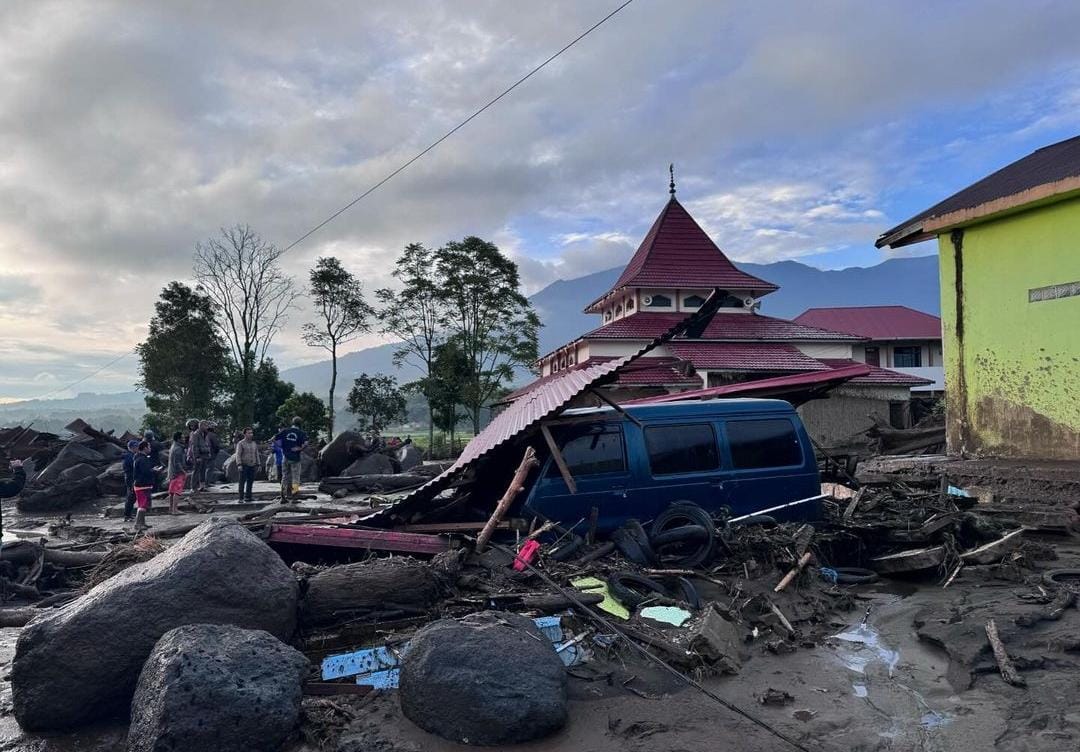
309,468
57,497
111,452
214,687
111,480
409,456
334,457
77,472
81,662
72,454
491,678
371,464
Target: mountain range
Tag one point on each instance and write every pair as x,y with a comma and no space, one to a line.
902,281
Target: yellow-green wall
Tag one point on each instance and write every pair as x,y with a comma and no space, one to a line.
1013,377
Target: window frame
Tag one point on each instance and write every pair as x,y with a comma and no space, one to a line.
730,448
552,472
718,453
908,350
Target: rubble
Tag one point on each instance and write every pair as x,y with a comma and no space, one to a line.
217,687
80,663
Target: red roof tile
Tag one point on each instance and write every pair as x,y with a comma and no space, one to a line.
875,322
796,385
676,252
646,371
744,356
878,375
723,327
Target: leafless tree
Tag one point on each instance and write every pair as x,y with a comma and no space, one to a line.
242,274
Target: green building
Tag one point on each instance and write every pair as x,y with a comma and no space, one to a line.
1009,248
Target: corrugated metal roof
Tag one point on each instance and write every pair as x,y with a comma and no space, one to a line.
744,356
875,322
1056,163
676,252
776,386
723,327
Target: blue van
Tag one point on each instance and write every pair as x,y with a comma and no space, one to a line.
729,456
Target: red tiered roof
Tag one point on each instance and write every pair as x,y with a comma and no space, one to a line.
724,326
744,356
875,322
677,253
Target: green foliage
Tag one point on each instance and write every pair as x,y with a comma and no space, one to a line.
493,323
183,363
268,393
311,411
376,401
342,314
446,386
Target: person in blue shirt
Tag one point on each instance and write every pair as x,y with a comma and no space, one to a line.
292,440
143,480
128,463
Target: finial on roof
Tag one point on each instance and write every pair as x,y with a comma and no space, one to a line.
671,186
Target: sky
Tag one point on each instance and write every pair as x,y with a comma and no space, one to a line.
130,131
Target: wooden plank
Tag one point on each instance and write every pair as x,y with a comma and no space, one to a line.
556,454
344,537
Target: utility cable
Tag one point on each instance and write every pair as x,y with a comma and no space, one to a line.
607,624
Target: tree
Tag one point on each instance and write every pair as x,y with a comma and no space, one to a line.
269,393
416,314
183,363
445,387
311,410
241,273
342,316
376,401
493,322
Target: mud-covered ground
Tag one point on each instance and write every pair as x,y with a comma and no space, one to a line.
883,683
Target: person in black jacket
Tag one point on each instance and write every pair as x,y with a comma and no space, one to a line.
144,478
128,463
18,480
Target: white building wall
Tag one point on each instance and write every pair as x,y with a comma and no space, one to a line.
825,349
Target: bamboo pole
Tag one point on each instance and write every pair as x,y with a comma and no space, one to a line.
1005,664
803,561
517,485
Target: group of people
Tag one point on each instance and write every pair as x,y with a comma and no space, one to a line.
190,461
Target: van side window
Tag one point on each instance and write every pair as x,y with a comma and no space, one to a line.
681,449
763,443
591,453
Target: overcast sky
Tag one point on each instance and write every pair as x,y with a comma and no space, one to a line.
131,130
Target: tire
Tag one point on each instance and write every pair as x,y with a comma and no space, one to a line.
633,543
568,549
854,576
680,515
632,590
688,594
1062,577
757,519
680,534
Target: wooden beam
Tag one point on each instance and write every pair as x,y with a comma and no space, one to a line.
618,408
556,454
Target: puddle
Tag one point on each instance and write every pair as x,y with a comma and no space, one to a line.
860,690
864,646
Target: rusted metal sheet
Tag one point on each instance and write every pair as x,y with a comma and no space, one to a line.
349,537
777,386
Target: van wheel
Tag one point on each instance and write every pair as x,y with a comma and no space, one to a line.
689,551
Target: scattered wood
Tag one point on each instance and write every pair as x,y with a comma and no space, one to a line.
373,483
787,579
1005,664
994,551
913,560
953,575
517,485
854,503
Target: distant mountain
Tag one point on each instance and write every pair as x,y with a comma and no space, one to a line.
903,281
119,411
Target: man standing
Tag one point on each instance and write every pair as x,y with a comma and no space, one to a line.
18,480
247,461
177,471
199,448
293,440
144,479
127,462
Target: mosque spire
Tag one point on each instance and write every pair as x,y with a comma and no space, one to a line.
671,185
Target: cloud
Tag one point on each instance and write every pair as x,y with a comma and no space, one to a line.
129,132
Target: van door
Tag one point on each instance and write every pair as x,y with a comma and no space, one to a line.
595,453
770,465
681,463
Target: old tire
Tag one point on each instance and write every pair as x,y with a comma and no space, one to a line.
633,543
568,549
632,590
682,515
681,534
688,594
1062,577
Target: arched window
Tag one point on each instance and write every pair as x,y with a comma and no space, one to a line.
630,304
657,301
618,310
693,301
607,315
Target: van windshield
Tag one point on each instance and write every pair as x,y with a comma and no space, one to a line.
590,451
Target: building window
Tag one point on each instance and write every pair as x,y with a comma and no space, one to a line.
607,315
694,301
681,449
657,301
763,443
618,310
630,304
591,451
907,357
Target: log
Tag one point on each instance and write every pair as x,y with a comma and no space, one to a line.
1005,664
553,602
994,551
27,552
343,593
517,485
803,561
373,483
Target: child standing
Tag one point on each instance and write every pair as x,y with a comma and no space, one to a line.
144,479
247,460
177,474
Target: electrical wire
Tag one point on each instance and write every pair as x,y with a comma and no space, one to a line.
390,176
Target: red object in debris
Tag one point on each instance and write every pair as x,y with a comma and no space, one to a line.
526,555
348,537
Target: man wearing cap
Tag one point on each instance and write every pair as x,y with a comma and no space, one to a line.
128,463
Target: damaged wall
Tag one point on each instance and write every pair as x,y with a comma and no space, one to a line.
1013,359
848,412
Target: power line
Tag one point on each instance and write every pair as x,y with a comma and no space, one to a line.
390,176
452,131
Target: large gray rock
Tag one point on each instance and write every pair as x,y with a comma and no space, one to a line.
309,468
111,480
58,496
491,678
78,472
222,688
334,457
111,452
371,464
409,456
81,662
72,454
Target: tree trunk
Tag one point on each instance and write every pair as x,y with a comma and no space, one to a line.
475,419
333,385
431,431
